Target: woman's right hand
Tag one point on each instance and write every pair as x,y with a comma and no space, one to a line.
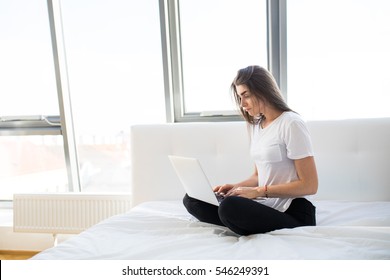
223,189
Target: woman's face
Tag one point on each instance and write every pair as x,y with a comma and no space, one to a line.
249,102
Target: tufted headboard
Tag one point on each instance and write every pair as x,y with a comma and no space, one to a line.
352,157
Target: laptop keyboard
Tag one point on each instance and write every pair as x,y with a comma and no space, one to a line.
219,197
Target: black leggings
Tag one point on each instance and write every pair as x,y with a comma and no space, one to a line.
245,216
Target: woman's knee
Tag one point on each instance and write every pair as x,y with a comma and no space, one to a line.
189,203
229,210
203,211
228,207
229,215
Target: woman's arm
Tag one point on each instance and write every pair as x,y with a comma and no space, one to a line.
307,183
252,181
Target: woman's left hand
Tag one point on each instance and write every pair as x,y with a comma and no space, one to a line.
248,192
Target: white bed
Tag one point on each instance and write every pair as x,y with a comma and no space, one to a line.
163,230
353,204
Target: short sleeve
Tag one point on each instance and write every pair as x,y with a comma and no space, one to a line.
297,140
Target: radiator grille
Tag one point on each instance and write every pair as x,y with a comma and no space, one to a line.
65,213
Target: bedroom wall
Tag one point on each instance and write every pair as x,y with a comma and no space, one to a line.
10,240
23,241
26,241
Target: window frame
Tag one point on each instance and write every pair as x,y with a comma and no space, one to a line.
172,59
53,125
63,92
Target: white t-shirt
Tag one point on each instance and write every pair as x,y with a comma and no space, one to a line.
274,149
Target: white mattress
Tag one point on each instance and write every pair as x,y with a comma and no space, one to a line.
164,230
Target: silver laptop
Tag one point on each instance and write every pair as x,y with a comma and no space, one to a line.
194,180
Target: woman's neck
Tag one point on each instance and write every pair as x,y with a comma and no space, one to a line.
269,117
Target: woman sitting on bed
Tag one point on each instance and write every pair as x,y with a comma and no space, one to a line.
285,172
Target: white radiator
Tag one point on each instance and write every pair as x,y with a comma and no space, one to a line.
65,213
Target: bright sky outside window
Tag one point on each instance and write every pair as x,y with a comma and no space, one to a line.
26,68
116,80
218,38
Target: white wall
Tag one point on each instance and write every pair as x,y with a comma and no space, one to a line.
10,240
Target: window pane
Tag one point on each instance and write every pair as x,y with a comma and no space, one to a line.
116,80
27,71
32,164
28,163
338,58
218,37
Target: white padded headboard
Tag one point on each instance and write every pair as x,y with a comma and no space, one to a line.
352,156
222,149
353,159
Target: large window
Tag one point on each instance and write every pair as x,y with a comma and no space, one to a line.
31,163
114,65
338,58
115,74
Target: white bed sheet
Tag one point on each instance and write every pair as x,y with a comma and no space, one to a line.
164,230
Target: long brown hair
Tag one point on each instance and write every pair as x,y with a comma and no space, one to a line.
262,86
